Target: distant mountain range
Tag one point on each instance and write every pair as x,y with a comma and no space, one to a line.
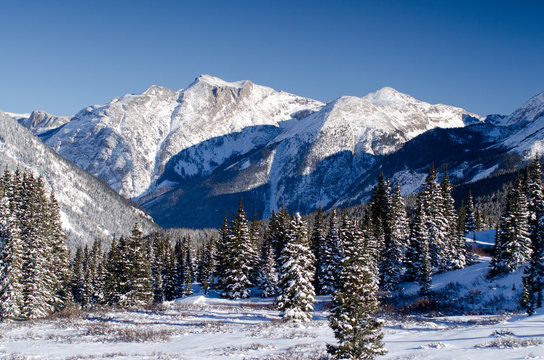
187,156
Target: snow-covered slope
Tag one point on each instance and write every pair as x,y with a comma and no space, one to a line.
216,141
89,208
526,126
40,122
128,142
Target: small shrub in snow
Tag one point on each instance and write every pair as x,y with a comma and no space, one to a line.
509,342
502,332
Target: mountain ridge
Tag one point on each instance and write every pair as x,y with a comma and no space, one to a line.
216,141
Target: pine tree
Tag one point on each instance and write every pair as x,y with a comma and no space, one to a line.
330,263
318,247
278,226
222,255
355,303
296,299
114,277
188,269
11,254
138,288
268,276
455,252
39,281
420,268
208,265
393,254
241,254
533,281
97,273
513,245
469,215
380,216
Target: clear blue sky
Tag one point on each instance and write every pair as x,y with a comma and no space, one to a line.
61,56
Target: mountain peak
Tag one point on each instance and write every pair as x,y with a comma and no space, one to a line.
218,82
529,111
387,96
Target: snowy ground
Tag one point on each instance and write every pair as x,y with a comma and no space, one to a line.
201,327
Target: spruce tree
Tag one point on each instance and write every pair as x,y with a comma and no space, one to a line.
469,215
355,303
455,252
296,299
188,269
331,257
114,277
269,275
11,254
393,254
138,287
513,245
241,253
318,247
420,268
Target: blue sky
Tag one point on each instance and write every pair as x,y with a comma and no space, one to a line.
61,56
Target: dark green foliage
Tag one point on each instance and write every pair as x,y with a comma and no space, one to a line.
330,259
296,298
319,248
513,245
240,256
34,271
352,319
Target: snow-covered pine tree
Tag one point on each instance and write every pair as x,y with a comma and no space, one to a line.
420,268
78,278
456,249
318,247
330,263
114,277
268,274
11,253
241,253
60,255
171,276
139,290
296,299
393,254
533,281
513,246
469,215
160,254
39,281
97,273
380,214
179,251
278,228
355,303
222,255
188,273
255,238
207,265
436,224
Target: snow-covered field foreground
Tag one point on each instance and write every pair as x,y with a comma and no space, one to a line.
199,327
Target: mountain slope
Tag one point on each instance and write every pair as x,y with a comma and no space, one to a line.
189,155
128,142
311,161
89,208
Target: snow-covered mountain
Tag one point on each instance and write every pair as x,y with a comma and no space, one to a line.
128,142
89,208
216,141
526,128
40,122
